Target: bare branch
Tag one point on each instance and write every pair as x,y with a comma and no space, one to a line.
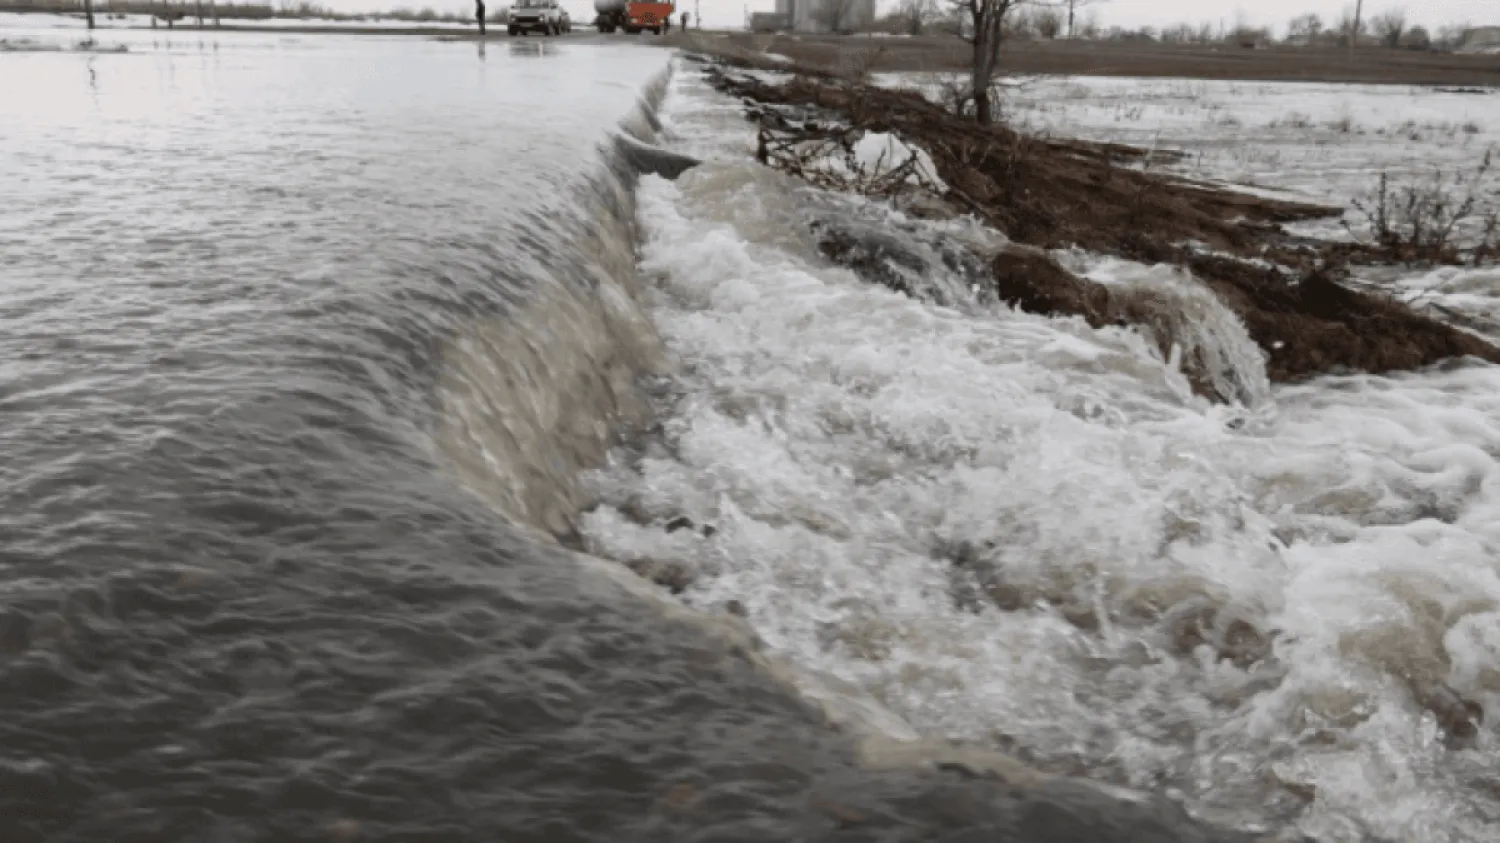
1389,27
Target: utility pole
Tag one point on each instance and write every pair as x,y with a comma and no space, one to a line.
88,12
1359,6
698,13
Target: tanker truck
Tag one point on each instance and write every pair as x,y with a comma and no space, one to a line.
632,16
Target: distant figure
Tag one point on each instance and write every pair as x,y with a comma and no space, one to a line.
666,23
684,21
479,13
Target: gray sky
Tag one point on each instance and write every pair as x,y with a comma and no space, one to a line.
1130,13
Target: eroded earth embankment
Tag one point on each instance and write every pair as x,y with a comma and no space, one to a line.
1048,193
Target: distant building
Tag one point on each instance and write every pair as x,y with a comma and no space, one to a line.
1482,39
825,15
769,22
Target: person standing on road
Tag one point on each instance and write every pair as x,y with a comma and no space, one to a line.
684,21
479,14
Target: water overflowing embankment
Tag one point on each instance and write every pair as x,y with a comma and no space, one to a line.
592,399
1028,533
1056,193
306,341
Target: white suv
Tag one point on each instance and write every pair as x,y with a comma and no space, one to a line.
543,16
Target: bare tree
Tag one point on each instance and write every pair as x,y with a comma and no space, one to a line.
1389,27
835,14
1073,10
1305,29
1181,33
916,14
1358,27
984,24
1090,27
1349,27
1020,26
1450,36
1048,23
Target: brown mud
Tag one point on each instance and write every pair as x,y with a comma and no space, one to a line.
1049,193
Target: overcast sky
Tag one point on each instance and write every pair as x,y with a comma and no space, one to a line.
1129,13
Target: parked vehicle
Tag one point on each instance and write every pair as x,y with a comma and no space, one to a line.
632,15
544,16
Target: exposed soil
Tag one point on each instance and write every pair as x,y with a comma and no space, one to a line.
1049,193
940,53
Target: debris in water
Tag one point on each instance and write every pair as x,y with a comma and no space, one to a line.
845,815
673,576
681,795
344,830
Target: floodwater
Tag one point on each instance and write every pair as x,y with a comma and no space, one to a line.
342,374
1021,532
305,344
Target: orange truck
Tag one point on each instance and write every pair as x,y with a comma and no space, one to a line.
632,16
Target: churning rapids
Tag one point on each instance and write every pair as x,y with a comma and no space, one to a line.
320,354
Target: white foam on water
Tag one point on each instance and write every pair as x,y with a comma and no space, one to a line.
1465,296
1186,316
1028,534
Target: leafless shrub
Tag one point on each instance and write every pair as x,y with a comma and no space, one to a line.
956,94
827,157
1417,38
1422,220
857,65
1344,125
1291,120
916,15
1306,29
1144,186
1048,23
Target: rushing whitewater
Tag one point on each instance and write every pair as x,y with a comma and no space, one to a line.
306,343
1026,534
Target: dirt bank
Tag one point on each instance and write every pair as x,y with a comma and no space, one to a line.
1049,194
